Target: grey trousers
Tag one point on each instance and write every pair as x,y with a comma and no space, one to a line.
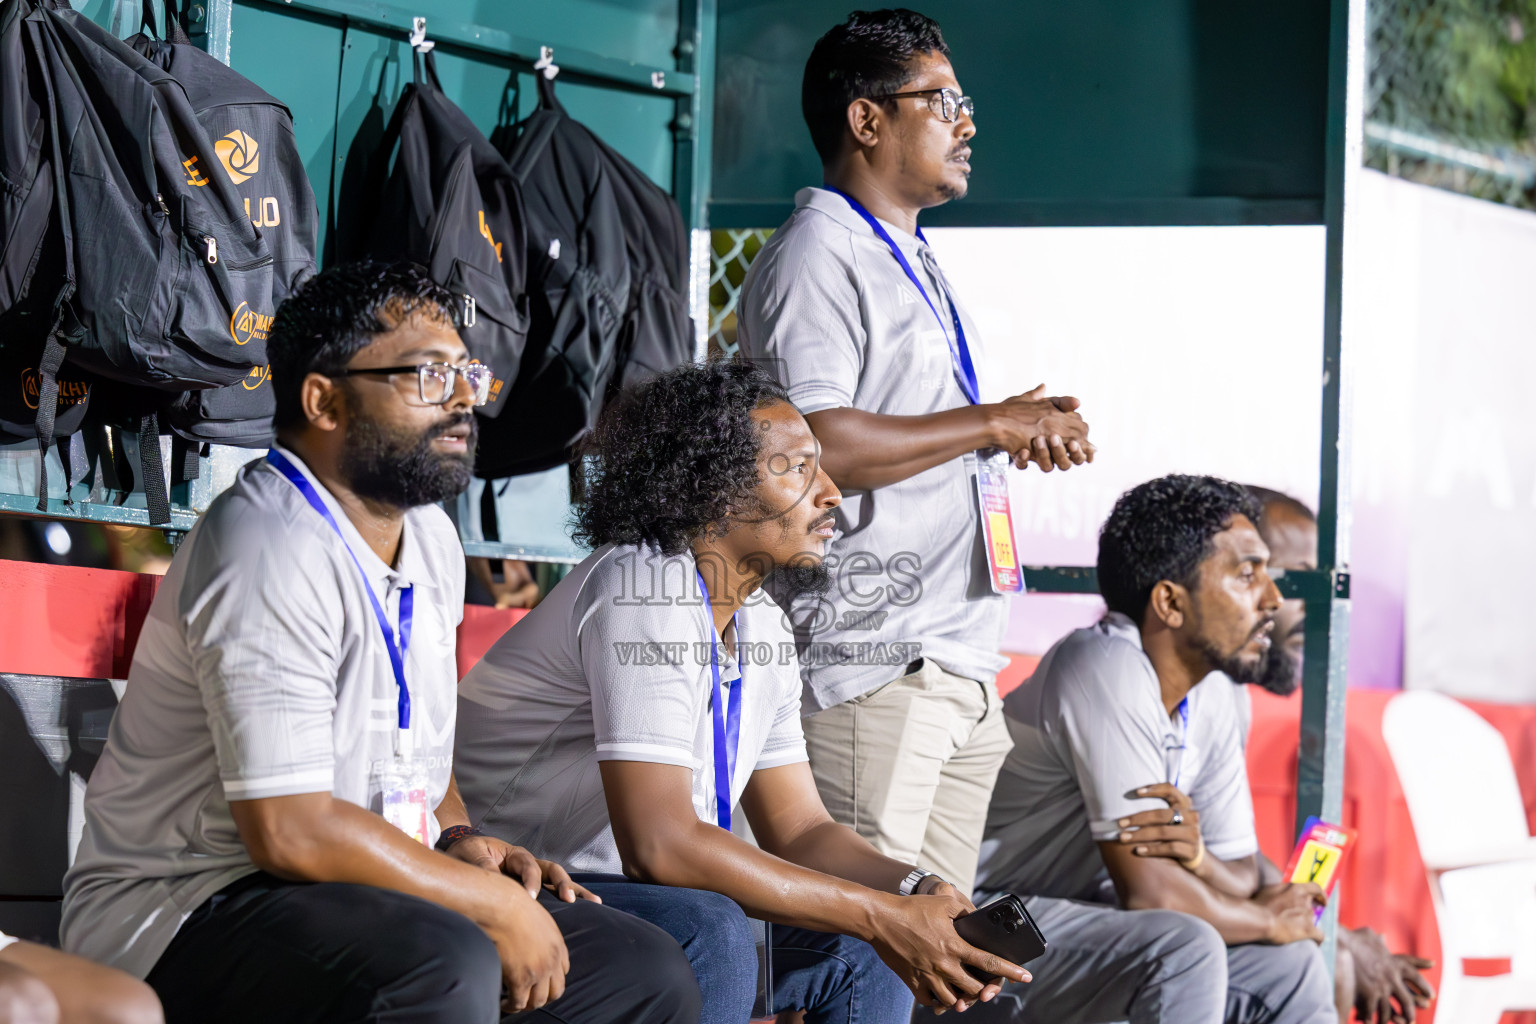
1104,965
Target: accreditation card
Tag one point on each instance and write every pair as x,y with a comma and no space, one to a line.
996,510
402,783
1318,854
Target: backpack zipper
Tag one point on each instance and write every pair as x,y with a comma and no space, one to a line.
213,249
263,261
161,201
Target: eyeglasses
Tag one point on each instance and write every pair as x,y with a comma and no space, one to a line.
950,106
436,381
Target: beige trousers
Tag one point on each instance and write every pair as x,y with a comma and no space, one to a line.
910,766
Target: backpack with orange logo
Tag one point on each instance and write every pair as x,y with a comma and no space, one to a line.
154,255
440,194
253,138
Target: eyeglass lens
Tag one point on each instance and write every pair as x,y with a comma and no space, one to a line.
438,381
952,105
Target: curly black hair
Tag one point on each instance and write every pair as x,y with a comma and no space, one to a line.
336,314
675,455
866,57
1162,530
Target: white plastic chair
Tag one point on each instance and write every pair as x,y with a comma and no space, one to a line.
1465,802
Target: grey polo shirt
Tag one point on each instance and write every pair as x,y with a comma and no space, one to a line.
260,672
829,311
1089,728
614,665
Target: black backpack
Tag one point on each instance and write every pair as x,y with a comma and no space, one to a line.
254,141
608,261
155,257
449,202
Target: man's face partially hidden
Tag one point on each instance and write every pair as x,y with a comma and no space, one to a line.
1292,541
1234,603
786,529
397,449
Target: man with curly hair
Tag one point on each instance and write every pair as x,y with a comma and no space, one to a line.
847,306
619,726
260,831
1118,719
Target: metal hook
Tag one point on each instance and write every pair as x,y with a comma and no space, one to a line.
659,79
546,62
418,39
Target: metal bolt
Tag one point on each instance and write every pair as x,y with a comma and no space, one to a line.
684,122
684,47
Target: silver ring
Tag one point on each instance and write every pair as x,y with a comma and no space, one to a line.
1177,819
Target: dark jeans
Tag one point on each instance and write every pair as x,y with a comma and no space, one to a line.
264,950
833,978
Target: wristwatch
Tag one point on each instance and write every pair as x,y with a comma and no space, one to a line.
912,881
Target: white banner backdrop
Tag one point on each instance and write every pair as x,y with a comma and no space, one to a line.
1198,350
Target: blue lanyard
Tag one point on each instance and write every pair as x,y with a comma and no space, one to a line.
407,601
727,722
959,353
1183,710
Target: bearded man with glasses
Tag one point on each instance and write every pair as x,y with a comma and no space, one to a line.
273,832
848,307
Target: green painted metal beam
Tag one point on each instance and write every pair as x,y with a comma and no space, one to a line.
499,44
91,512
1198,211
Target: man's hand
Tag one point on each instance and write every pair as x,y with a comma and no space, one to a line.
516,862
534,960
1155,833
1293,906
1388,989
915,936
1047,431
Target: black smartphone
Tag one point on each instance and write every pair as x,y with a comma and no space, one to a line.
1004,928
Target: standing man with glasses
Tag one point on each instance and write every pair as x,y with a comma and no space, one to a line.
273,832
848,307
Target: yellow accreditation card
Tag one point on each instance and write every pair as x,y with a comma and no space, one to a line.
1319,853
996,508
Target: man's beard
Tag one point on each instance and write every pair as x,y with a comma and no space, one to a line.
1234,665
403,470
1281,674
799,577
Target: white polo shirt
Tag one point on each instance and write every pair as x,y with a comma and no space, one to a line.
261,672
614,665
827,309
1089,728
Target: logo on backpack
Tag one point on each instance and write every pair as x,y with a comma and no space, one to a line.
486,231
194,176
71,392
258,376
237,152
247,325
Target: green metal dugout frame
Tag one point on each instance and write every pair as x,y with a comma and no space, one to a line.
1165,112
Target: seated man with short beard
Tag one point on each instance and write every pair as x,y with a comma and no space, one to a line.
618,725
259,832
1369,979
1119,717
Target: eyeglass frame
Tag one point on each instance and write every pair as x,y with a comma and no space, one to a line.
961,102
482,395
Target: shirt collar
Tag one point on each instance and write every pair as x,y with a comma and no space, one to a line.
1119,625
836,207
411,570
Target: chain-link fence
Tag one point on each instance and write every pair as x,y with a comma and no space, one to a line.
1451,95
731,252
